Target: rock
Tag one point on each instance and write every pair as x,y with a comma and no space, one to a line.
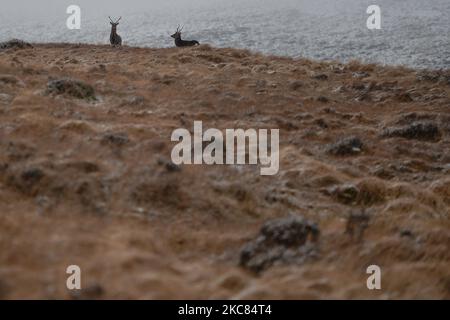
321,123
81,166
363,96
14,44
320,76
295,85
169,165
172,167
406,233
289,240
260,85
416,130
358,86
322,99
360,75
32,176
115,139
134,101
259,68
404,97
382,172
71,87
346,146
346,194
5,98
26,180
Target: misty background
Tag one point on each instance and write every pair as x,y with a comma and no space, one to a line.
414,32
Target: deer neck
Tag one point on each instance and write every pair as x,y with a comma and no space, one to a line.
178,38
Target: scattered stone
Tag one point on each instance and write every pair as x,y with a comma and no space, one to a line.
382,172
404,97
27,180
363,96
340,89
321,123
416,130
323,99
259,68
115,139
406,233
289,240
261,85
82,166
71,87
320,76
345,146
346,194
360,75
14,44
5,98
172,167
295,85
135,101
359,86
329,110
169,165
32,176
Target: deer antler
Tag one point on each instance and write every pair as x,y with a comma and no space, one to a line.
110,19
118,20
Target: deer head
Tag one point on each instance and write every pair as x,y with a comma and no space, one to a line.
177,34
114,24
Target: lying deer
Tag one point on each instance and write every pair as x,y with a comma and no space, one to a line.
183,43
114,38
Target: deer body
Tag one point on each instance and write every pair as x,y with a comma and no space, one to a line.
183,43
114,38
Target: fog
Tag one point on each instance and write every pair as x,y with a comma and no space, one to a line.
24,10
414,32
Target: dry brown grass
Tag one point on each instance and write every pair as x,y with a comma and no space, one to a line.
87,182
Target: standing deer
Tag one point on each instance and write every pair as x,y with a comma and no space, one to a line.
114,38
183,43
